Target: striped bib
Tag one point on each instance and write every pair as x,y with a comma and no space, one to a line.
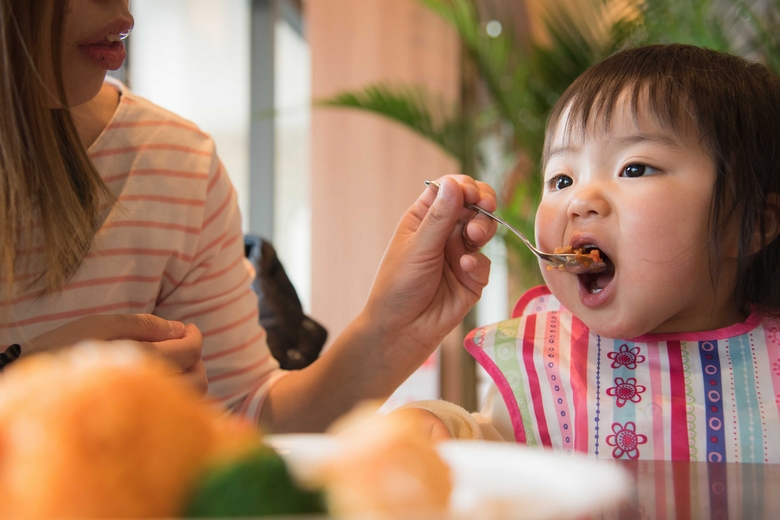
704,396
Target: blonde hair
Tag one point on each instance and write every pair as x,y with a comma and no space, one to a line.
47,181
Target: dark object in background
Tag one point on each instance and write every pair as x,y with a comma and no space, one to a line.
10,355
295,339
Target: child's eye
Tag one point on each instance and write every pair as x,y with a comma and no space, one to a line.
638,170
559,182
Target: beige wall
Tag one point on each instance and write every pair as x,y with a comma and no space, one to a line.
365,170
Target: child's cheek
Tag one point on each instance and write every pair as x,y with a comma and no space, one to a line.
548,236
553,278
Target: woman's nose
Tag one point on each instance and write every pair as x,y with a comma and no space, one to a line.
588,202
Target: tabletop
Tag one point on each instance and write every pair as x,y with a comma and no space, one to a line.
506,481
701,490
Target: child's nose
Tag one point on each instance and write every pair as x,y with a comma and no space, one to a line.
588,202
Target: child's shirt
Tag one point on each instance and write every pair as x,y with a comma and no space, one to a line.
704,396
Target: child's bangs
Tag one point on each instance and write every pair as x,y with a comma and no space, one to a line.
590,104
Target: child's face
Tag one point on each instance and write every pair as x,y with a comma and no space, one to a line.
87,52
642,196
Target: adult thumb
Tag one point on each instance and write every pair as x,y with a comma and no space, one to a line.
148,327
442,215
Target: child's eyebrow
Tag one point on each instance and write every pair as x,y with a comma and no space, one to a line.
625,140
648,138
560,150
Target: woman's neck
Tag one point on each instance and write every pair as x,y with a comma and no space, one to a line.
92,117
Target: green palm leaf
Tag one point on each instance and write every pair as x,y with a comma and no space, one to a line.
696,22
417,110
523,81
763,17
495,57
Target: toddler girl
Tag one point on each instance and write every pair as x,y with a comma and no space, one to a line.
667,160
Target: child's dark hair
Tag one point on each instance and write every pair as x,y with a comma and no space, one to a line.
733,105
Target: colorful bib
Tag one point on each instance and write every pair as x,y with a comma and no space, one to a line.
705,396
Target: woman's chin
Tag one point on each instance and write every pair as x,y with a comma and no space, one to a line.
86,88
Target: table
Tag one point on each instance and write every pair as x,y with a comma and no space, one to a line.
701,490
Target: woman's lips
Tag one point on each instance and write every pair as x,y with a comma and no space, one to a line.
106,54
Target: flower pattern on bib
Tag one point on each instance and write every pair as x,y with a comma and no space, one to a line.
626,357
625,440
625,391
708,395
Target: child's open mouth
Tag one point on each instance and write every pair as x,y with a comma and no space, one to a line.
592,284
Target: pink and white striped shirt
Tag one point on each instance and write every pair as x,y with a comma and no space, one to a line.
707,396
172,247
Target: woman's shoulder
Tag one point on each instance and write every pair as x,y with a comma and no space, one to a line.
145,146
139,119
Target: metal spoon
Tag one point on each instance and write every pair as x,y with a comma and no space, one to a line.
563,262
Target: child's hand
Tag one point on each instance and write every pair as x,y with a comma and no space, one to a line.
423,421
432,272
180,345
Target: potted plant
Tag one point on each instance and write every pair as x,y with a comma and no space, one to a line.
511,82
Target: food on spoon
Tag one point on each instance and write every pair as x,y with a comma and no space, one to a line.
581,256
387,469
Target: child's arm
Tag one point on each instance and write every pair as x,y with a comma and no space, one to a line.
440,420
444,420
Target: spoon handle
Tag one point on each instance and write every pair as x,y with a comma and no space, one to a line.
570,263
495,217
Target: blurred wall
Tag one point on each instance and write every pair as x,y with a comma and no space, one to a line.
366,171
192,57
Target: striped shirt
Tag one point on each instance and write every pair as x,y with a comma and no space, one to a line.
172,247
704,396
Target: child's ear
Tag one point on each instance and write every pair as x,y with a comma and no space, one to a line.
771,224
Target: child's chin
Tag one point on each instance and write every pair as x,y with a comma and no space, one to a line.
609,329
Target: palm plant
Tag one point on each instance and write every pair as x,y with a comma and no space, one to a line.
523,78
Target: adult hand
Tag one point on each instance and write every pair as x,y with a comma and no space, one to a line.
432,273
178,344
430,276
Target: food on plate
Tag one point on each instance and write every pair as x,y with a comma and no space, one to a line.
386,468
105,431
257,484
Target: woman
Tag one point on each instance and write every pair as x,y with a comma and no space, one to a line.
112,204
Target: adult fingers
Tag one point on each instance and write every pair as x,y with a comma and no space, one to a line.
485,196
196,377
441,216
183,353
478,231
477,267
105,327
474,191
138,327
479,228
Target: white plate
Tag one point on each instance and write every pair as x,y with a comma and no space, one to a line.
495,480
